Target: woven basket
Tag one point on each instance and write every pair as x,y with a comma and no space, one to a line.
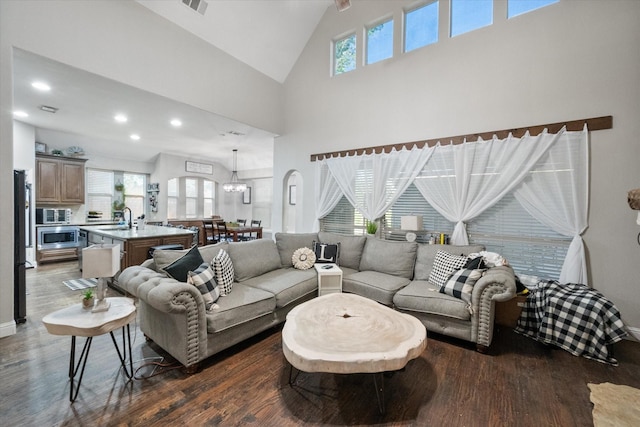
634,199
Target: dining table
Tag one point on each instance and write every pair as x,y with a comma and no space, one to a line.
234,231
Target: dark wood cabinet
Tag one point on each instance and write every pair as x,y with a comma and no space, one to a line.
59,180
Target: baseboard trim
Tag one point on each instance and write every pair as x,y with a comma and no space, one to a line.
7,329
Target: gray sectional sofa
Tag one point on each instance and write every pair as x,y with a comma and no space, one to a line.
267,287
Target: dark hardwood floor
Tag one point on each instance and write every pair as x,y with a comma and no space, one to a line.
520,383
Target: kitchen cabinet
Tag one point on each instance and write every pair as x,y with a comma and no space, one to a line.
53,255
59,180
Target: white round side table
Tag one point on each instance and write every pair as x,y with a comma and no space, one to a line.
78,322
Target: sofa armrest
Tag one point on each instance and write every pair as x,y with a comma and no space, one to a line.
497,284
158,290
171,313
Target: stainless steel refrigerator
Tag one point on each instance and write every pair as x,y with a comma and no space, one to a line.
21,196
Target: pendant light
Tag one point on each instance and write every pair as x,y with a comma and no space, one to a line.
234,185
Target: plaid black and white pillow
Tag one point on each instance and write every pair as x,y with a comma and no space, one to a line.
460,284
202,278
444,265
224,273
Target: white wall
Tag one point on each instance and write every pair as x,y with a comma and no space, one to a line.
571,60
126,42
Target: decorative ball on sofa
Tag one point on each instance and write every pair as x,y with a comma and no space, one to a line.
303,258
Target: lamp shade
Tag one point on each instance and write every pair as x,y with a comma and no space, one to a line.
100,260
411,222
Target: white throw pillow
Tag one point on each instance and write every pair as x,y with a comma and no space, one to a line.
223,269
444,265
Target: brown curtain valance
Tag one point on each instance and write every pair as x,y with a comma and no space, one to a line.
596,123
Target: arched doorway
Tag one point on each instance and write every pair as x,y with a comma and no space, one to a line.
291,200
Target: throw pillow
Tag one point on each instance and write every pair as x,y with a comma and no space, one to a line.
303,258
202,278
474,263
179,268
223,272
460,284
326,253
443,265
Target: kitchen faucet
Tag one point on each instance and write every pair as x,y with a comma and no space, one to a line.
130,215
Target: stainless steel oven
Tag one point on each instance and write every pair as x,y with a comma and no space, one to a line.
56,237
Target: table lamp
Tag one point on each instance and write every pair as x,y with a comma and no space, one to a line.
411,223
101,261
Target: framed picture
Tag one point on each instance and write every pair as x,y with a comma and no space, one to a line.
41,147
246,196
198,167
292,194
154,186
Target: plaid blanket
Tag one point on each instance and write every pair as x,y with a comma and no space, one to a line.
573,317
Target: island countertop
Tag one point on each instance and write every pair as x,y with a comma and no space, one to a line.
124,233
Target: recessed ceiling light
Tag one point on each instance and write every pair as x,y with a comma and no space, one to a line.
41,86
20,114
135,136
176,123
120,118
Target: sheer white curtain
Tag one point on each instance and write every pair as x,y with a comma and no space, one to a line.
373,182
556,194
461,181
328,193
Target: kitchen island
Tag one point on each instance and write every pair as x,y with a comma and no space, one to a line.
134,243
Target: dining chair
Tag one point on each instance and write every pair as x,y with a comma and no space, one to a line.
209,231
254,223
220,231
242,237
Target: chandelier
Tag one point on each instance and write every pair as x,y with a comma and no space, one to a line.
234,185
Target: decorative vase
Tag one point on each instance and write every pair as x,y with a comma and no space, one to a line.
87,303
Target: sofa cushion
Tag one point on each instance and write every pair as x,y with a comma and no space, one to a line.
427,253
202,278
424,297
224,272
179,268
460,284
287,284
374,285
245,303
384,256
164,257
350,247
287,243
253,258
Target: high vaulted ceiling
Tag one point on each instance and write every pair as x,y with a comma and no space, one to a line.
268,35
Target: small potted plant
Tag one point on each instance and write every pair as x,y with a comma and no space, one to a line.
87,299
372,227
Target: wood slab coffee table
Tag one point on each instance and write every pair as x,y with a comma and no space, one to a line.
348,334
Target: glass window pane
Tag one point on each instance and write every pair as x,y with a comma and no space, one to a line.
191,187
99,181
208,207
345,55
421,27
208,189
172,208
380,42
190,207
468,15
518,7
134,184
136,204
172,187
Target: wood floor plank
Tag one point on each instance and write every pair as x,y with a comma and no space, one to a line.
520,383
